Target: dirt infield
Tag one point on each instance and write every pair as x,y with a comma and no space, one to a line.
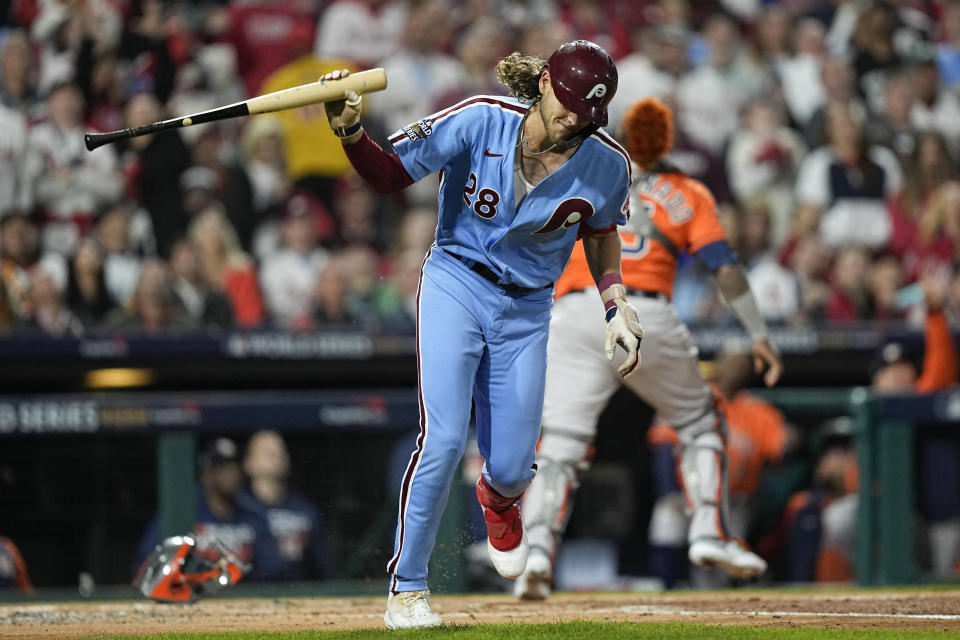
852,609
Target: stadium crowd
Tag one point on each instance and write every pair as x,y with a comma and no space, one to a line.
828,131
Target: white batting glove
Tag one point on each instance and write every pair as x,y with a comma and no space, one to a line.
342,114
623,328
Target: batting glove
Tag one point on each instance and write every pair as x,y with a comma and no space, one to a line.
623,328
342,114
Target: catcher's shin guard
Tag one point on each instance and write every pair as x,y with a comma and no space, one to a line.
548,503
703,475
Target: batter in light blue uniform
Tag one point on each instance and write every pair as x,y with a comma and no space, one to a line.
520,179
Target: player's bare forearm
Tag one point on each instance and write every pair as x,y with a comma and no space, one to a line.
603,253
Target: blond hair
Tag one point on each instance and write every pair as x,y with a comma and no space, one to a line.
521,74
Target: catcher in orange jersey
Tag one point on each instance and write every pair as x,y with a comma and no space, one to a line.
670,213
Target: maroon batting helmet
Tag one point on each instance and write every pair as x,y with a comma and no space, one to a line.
584,79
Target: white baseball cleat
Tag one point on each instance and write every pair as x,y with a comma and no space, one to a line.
410,609
729,555
509,563
535,581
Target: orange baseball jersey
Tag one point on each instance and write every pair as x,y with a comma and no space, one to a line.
669,212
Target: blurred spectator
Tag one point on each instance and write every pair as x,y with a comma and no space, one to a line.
17,78
762,162
8,319
206,306
597,22
776,288
417,231
58,29
948,51
543,38
289,276
361,216
935,246
329,295
934,107
769,44
14,193
312,154
154,307
69,183
226,183
698,162
893,126
364,32
153,165
19,250
757,435
369,298
121,263
397,307
800,74
263,149
885,278
420,72
843,187
809,261
261,32
515,15
13,570
874,55
223,515
931,165
48,310
839,84
479,48
294,522
710,97
849,298
87,295
658,60
226,267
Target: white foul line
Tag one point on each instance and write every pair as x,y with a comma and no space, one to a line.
775,614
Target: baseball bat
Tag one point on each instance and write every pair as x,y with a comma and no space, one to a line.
312,93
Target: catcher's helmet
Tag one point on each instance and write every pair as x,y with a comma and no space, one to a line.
177,571
584,79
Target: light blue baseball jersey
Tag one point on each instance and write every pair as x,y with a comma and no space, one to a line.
472,145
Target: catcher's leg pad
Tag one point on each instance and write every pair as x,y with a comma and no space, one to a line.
548,503
703,474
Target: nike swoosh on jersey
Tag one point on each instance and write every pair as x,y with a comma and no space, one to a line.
487,153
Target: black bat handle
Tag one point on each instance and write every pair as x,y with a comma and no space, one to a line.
94,140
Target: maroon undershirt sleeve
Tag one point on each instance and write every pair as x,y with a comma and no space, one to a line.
383,171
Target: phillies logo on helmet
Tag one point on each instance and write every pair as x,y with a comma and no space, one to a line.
599,90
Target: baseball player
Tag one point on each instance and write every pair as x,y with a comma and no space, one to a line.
520,179
670,213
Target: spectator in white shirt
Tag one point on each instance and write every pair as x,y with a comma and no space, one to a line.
365,32
289,276
69,183
762,162
710,97
843,187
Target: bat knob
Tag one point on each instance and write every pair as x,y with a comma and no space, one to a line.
90,141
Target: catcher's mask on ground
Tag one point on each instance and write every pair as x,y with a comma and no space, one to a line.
177,571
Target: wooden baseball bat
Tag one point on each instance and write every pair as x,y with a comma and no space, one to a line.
312,93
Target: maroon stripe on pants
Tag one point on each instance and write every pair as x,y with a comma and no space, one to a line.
415,458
